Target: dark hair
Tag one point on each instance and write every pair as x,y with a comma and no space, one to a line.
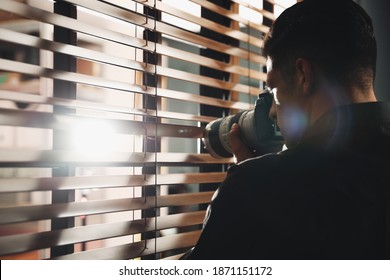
336,35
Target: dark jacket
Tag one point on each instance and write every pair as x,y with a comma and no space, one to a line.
326,198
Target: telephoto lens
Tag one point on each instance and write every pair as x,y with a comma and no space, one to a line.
258,131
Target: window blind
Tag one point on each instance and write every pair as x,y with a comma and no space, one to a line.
102,110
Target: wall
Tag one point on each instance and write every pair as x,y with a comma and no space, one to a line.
379,12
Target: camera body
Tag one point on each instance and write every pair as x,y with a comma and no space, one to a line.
258,132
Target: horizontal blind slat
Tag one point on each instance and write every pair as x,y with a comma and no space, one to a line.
164,93
8,185
35,241
124,113
11,117
61,210
232,15
204,99
47,158
134,250
258,9
202,80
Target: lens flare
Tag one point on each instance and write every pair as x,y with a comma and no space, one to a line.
295,123
93,138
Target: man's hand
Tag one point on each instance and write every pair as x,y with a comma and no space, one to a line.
240,151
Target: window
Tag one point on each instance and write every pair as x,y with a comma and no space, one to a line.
103,105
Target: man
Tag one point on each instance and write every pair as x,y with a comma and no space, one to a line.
328,195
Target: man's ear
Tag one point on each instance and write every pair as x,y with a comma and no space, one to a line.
305,75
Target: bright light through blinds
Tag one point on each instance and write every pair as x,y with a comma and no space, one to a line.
281,5
250,14
185,6
93,138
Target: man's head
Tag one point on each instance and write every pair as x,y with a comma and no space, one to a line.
317,45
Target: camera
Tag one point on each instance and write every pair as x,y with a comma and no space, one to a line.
258,132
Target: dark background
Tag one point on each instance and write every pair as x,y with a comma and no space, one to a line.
379,10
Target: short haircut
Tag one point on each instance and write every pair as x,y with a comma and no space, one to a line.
336,35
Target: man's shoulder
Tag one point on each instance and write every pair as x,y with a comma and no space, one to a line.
269,160
255,162
259,166
284,168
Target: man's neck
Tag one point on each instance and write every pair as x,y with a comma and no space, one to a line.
329,97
